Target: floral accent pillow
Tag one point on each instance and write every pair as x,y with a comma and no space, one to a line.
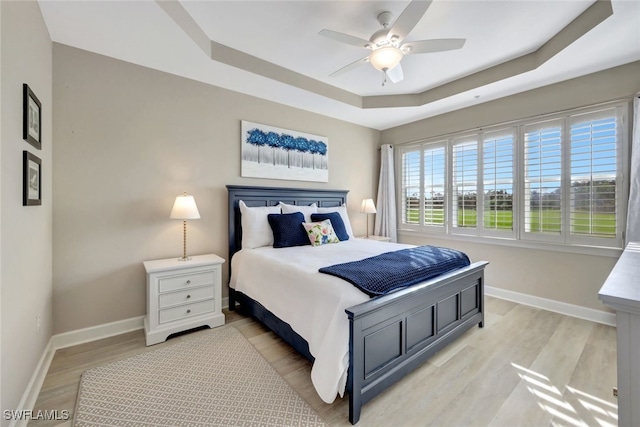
320,233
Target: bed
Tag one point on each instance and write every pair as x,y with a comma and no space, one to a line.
385,337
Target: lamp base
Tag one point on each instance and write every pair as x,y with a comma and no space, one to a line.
367,226
184,258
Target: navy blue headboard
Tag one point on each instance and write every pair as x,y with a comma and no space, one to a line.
271,196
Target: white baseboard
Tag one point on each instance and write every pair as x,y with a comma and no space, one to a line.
32,391
81,336
69,339
597,316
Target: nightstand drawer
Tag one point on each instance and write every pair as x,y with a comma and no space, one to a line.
190,295
185,281
186,311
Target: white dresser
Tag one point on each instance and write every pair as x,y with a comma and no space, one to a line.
182,295
621,291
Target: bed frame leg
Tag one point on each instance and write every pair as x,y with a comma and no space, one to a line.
354,408
232,299
356,367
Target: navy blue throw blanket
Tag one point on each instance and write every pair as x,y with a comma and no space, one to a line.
384,273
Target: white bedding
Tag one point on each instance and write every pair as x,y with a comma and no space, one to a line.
286,281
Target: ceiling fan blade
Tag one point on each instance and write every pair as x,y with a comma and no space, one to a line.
346,38
350,67
395,74
429,46
408,19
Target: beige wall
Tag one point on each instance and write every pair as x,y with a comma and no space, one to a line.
128,140
26,260
615,83
569,278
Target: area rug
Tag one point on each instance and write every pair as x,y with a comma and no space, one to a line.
214,379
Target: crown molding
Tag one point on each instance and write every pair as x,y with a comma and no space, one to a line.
599,11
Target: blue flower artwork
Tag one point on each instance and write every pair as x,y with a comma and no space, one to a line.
270,152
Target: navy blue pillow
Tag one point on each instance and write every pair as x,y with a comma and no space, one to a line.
288,230
336,222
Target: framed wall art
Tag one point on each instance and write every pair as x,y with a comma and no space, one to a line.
274,153
31,180
31,117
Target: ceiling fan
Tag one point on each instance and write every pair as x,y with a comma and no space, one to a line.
386,45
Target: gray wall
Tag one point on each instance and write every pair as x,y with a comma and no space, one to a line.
565,277
25,251
128,140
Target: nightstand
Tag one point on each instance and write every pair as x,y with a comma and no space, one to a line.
378,238
182,295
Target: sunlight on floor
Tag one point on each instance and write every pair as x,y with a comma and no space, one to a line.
550,399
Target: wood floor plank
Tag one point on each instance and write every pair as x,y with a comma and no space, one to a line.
476,381
546,378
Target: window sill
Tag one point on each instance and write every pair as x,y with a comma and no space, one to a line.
575,249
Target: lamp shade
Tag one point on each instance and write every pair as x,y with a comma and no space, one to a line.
386,58
368,206
185,208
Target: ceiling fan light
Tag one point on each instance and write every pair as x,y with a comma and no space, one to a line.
385,58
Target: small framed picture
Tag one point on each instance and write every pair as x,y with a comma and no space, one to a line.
31,117
32,179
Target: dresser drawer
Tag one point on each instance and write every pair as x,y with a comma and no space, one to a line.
189,295
185,281
186,311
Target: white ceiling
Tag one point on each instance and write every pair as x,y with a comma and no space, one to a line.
285,33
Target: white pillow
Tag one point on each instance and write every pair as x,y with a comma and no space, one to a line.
256,231
305,210
342,210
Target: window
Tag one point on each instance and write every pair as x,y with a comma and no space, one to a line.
424,186
497,184
411,178
434,186
543,179
558,179
593,175
464,187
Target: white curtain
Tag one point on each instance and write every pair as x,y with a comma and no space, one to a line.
633,213
386,205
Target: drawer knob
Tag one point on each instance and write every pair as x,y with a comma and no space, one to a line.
188,282
188,311
188,296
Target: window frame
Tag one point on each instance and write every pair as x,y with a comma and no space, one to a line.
566,240
503,233
523,234
421,147
455,229
622,197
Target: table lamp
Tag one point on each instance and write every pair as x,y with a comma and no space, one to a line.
184,208
368,207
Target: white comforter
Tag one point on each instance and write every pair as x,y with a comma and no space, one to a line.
286,281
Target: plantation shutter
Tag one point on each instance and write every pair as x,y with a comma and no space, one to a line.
410,193
594,167
497,173
464,183
434,186
543,178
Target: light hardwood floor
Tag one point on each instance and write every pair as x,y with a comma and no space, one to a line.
526,367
